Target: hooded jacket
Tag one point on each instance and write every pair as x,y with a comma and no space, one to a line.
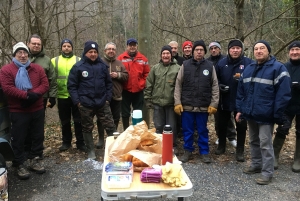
89,83
264,91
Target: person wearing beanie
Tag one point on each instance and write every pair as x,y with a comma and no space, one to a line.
215,56
229,70
293,109
90,87
174,46
161,79
37,56
24,84
119,75
66,109
138,69
196,96
264,91
187,49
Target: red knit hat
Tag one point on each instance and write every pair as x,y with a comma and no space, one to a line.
185,43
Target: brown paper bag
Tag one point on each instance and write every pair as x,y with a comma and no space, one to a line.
157,143
127,141
149,158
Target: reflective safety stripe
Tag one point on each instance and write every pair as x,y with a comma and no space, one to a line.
126,60
266,81
285,73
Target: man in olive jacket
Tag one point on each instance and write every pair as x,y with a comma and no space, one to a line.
160,86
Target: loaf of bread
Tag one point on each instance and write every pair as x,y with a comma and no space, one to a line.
147,142
127,157
138,163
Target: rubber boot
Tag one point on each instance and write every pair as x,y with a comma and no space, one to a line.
125,121
277,146
116,124
240,154
88,138
100,142
296,164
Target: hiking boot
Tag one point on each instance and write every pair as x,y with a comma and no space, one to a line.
82,148
240,155
263,180
186,156
205,158
251,170
220,150
233,143
35,166
175,151
64,147
22,172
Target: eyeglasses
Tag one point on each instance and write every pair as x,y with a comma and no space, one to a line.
36,44
201,50
20,53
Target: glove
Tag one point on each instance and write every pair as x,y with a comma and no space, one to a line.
149,104
31,98
211,110
178,109
223,88
296,86
52,101
172,175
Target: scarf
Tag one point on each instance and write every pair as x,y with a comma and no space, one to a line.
22,80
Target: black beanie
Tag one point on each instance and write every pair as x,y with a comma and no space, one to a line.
199,43
235,42
294,44
166,47
265,43
90,45
66,41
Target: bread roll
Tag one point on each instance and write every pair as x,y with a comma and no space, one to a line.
147,142
127,157
138,163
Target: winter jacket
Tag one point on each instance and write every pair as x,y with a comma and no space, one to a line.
179,59
44,61
117,66
15,96
138,70
161,84
62,66
293,68
89,83
226,68
215,59
264,91
181,82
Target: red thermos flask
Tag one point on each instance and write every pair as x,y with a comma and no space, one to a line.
167,145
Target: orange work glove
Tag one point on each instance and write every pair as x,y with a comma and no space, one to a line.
211,110
178,109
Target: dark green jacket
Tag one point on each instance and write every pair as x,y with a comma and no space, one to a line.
160,84
44,61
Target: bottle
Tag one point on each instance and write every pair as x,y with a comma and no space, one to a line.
167,145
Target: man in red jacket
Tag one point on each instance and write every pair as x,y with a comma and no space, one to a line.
138,69
24,84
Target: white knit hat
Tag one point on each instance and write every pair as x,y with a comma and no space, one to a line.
19,46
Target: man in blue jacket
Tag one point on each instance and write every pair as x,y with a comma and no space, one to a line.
263,93
293,109
228,71
90,88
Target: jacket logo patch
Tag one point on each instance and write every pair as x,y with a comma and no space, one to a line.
85,73
241,67
206,72
118,68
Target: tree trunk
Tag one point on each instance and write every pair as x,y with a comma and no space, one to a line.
239,16
144,36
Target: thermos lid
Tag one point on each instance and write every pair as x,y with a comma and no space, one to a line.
167,128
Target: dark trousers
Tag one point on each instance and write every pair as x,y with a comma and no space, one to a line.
66,109
165,116
23,125
231,132
134,99
283,130
241,128
115,107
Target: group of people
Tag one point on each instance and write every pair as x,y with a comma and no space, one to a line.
182,91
